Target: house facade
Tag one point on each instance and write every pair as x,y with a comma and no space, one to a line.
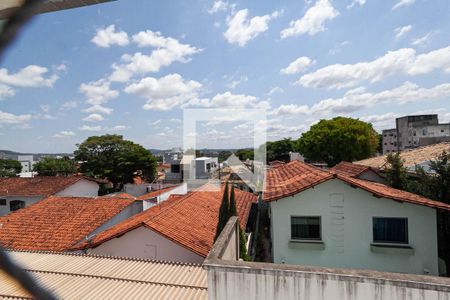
331,220
16,193
181,229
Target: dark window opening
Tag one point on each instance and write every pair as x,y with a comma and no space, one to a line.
175,168
306,228
16,204
3,202
390,230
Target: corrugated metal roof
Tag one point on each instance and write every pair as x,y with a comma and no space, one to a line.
75,276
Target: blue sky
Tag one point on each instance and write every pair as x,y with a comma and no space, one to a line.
130,67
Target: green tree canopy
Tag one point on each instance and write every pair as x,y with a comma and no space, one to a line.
113,158
50,166
224,212
244,154
279,150
395,171
9,167
338,139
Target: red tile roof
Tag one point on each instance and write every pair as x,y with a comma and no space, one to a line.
292,178
36,186
296,176
156,193
189,220
119,195
57,223
351,169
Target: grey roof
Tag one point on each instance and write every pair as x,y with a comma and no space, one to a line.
79,276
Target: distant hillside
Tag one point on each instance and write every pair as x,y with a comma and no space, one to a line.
8,154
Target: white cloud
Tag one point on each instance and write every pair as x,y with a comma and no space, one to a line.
119,128
218,6
155,122
274,90
403,3
229,100
94,118
166,92
169,50
234,83
6,91
98,92
423,40
297,66
400,31
354,2
241,29
64,134
69,105
403,61
30,76
338,47
175,120
8,118
98,109
107,37
91,128
359,98
61,68
313,21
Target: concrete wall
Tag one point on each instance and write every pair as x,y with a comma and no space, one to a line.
5,209
129,211
347,235
143,242
230,279
372,176
262,281
81,188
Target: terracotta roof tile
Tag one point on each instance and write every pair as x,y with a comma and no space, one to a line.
156,193
296,176
411,157
384,191
57,223
119,195
292,178
36,186
351,169
189,220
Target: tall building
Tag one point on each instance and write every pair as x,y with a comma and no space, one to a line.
415,131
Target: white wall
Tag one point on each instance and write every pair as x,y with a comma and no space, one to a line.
143,242
81,188
126,213
372,176
347,230
266,282
4,209
179,190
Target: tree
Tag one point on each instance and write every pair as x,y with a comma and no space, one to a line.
223,155
113,158
395,171
338,139
242,241
244,154
9,167
279,150
224,212
434,184
50,166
